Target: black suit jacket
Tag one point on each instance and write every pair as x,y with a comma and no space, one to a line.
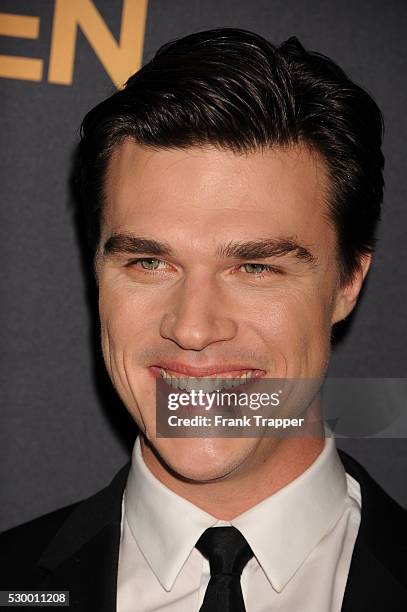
76,549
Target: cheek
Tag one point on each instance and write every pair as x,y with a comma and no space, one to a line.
123,314
122,326
123,333
296,328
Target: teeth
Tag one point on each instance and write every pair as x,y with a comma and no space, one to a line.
208,385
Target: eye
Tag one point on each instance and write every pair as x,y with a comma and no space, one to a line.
257,268
147,263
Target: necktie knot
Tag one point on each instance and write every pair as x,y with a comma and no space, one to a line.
226,550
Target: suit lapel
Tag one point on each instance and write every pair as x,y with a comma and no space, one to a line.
377,575
90,574
83,556
371,587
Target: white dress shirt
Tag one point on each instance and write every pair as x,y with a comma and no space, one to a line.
302,538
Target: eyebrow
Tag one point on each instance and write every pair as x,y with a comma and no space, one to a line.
264,248
247,250
135,245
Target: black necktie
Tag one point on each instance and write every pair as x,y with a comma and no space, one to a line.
227,552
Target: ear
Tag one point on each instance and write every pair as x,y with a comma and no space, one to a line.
347,295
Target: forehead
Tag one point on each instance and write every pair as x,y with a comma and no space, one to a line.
207,190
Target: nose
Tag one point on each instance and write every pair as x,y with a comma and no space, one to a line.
199,315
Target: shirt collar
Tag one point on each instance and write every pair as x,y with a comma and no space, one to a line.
165,525
282,530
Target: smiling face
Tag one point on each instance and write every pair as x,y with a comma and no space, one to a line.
215,263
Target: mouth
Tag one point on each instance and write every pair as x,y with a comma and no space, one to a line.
208,382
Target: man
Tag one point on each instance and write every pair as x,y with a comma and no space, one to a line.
232,191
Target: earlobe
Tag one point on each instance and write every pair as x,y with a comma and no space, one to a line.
347,294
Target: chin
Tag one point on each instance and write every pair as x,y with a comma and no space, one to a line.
203,459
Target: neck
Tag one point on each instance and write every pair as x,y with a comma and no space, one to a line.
229,497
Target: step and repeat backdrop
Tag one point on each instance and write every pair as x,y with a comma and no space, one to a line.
63,432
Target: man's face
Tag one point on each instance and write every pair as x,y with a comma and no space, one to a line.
213,263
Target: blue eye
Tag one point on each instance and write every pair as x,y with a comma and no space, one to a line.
147,263
256,268
150,263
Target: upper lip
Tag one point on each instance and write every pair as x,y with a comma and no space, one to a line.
210,370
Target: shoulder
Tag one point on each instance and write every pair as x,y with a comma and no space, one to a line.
375,500
23,547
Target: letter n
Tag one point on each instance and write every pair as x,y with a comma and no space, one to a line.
120,60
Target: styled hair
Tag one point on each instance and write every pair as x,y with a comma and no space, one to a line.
232,89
